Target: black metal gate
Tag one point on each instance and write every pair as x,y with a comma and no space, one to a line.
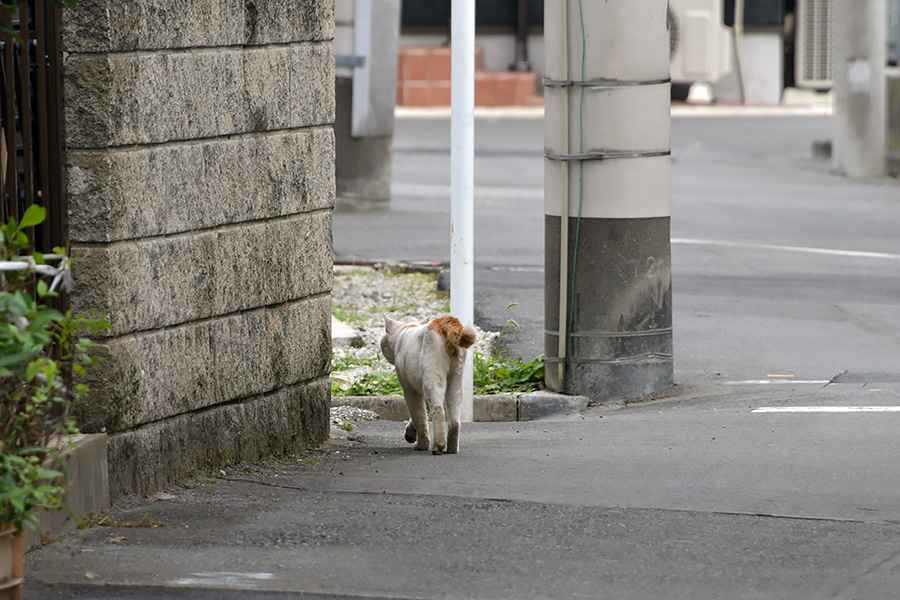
31,118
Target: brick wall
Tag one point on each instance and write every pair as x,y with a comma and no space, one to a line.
423,79
200,185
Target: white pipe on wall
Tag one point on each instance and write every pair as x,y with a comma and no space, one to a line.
738,31
462,169
562,344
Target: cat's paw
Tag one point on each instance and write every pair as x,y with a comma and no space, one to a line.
410,433
423,439
437,452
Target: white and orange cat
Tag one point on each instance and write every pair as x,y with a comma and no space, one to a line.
429,358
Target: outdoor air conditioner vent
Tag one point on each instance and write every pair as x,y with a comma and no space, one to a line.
813,49
698,42
672,26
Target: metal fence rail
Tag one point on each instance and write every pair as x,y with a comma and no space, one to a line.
30,120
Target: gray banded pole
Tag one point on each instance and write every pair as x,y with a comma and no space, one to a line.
608,311
860,108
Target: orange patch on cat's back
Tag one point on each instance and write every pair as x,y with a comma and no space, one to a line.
455,335
448,327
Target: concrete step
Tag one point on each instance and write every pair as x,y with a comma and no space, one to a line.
87,490
344,335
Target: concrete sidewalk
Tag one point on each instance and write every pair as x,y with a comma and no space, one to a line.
694,497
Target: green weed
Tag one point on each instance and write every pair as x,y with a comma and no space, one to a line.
351,362
493,375
347,314
378,383
497,375
145,521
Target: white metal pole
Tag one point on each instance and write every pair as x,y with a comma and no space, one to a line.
462,163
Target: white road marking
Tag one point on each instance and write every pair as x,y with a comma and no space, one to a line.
223,579
677,111
825,409
800,249
799,110
780,382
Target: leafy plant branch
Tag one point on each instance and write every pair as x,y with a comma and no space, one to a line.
41,350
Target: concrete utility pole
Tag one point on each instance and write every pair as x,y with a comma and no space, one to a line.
860,114
608,307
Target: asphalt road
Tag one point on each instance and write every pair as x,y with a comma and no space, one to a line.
771,471
778,264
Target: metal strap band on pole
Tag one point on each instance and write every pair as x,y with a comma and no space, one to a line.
616,334
349,60
610,155
604,83
612,361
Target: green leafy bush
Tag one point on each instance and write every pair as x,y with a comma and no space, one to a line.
41,350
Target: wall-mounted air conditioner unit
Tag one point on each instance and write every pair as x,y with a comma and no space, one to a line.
699,42
813,45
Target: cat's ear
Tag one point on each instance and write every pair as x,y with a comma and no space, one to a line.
389,323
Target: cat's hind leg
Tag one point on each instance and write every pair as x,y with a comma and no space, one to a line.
440,429
417,428
454,403
435,389
410,435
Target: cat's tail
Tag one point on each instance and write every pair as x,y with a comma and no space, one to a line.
467,337
455,335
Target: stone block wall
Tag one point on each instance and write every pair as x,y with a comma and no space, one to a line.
200,185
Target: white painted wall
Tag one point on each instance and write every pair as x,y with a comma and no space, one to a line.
763,57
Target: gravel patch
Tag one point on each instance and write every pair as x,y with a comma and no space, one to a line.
344,414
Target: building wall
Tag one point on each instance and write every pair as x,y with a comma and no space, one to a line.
363,163
200,186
